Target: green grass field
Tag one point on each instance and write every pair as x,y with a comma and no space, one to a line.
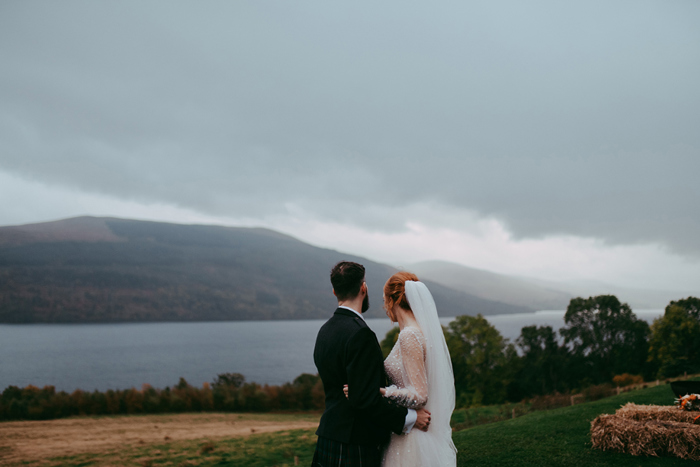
558,437
270,449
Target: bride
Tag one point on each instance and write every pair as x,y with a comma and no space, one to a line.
420,371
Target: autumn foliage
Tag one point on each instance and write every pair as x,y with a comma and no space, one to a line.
228,393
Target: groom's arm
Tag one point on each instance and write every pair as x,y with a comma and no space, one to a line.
365,369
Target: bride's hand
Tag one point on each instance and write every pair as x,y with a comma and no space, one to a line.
382,391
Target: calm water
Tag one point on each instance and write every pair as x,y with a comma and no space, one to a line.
117,356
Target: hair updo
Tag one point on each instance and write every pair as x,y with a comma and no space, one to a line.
395,292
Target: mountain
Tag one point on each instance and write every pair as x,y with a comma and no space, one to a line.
90,269
534,293
492,286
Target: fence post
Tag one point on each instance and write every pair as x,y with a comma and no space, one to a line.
573,398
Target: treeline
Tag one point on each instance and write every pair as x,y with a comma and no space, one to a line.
602,342
228,393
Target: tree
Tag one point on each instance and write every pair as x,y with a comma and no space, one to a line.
540,369
605,339
389,340
479,360
674,346
309,389
235,380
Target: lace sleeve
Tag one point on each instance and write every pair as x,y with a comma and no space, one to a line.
415,394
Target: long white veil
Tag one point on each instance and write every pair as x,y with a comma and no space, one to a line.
441,389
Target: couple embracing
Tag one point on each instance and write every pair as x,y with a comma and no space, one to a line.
366,422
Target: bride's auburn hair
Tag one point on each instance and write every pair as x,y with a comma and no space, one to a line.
395,292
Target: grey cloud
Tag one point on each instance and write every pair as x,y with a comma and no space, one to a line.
557,119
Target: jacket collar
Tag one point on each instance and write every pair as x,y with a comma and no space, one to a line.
346,312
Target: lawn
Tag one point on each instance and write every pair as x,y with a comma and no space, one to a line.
167,439
558,437
264,450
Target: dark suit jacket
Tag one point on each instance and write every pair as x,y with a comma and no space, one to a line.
347,352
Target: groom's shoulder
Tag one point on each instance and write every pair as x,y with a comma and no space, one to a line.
342,329
347,320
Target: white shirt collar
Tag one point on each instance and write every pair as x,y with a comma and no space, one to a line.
348,308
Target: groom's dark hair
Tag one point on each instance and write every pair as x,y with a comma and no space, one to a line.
347,278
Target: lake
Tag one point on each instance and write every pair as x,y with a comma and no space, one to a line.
120,356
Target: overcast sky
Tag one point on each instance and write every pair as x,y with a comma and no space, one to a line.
558,140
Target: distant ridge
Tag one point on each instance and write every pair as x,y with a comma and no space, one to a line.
78,229
93,269
492,286
534,293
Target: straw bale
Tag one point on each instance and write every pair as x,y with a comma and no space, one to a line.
643,413
646,438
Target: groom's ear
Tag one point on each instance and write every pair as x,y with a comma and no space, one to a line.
335,293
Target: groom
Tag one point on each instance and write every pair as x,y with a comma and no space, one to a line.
353,430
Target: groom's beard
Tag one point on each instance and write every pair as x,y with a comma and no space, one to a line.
365,304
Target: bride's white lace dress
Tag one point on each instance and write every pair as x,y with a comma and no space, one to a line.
407,369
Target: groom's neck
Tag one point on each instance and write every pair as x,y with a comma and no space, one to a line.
355,304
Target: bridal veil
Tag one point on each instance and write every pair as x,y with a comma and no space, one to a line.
441,389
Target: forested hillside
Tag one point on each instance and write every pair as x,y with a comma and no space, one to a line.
114,270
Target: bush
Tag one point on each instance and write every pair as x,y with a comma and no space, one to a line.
594,393
626,379
551,401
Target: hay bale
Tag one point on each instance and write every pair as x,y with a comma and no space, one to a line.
643,413
646,438
616,433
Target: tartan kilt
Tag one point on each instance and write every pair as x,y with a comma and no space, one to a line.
331,453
